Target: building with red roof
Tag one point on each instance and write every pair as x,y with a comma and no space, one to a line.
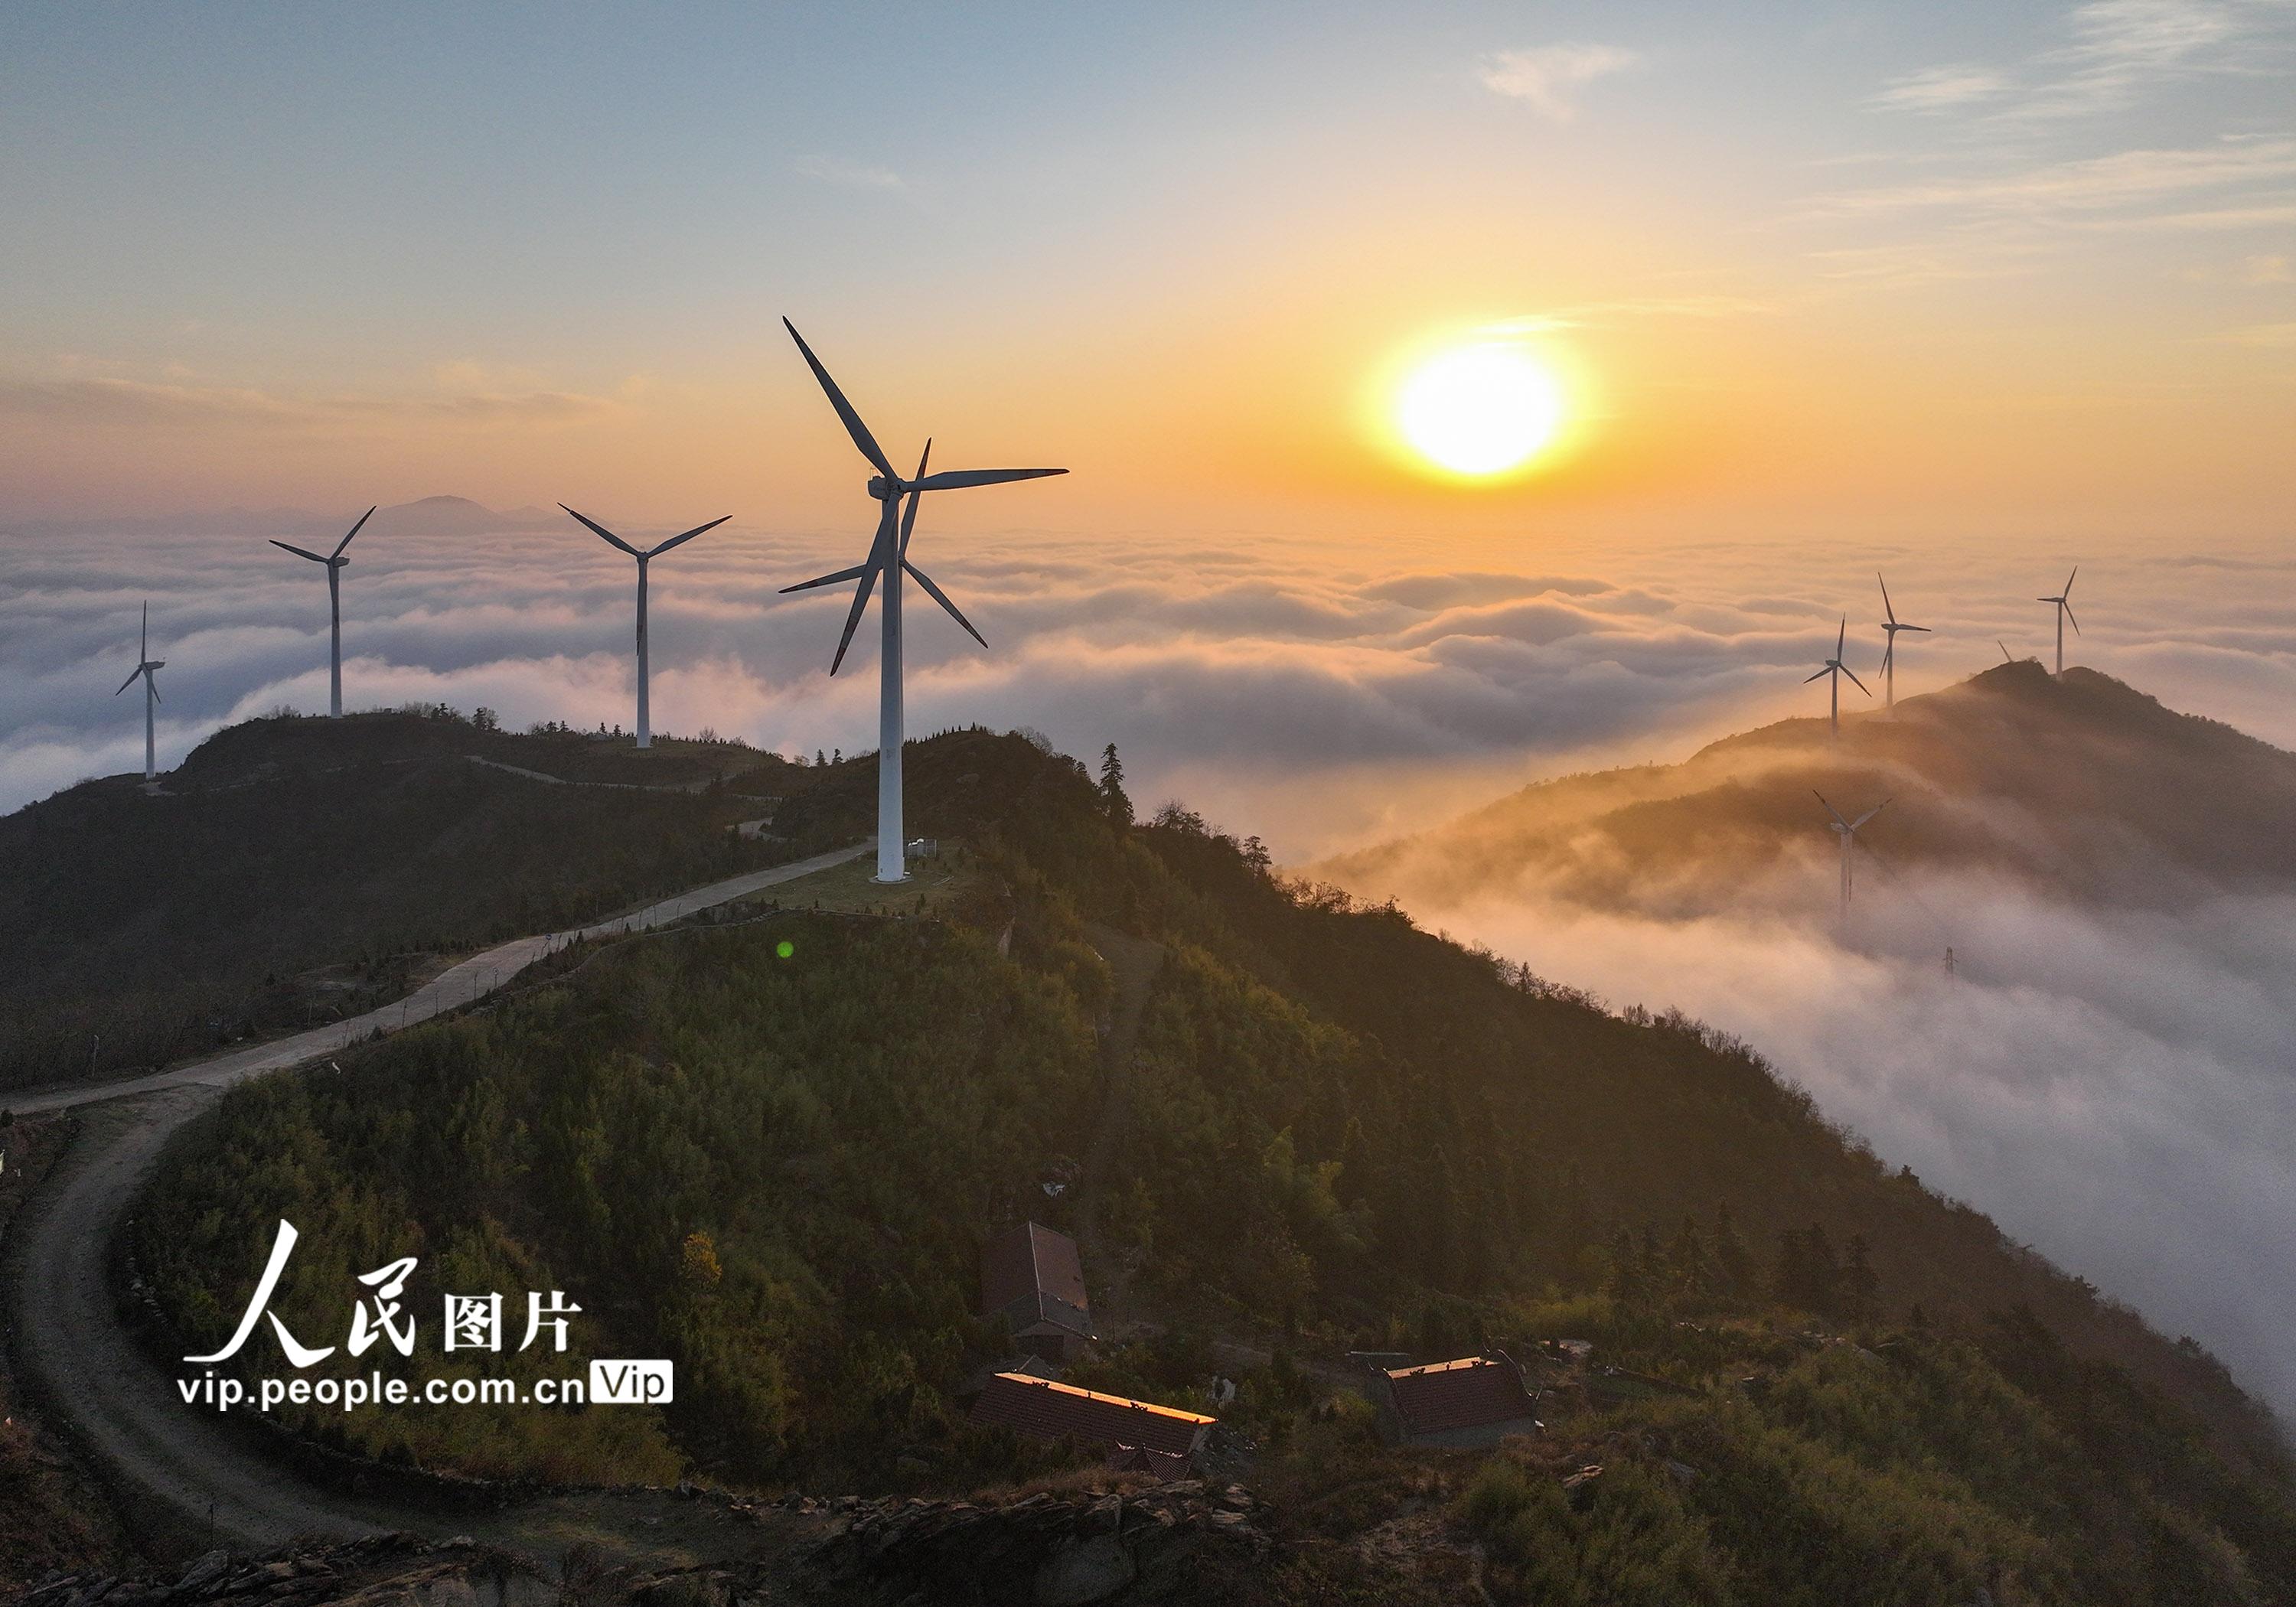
1136,1433
1477,1401
1033,1278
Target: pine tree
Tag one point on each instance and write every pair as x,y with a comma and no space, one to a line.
1114,802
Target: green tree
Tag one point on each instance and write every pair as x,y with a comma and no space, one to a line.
1114,801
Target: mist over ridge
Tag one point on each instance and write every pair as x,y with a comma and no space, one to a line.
2105,1068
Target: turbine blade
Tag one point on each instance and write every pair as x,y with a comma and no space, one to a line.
1886,609
1821,674
143,637
657,552
2069,581
1869,813
942,597
1922,628
2006,656
300,552
2068,614
853,619
1890,652
1830,809
153,683
909,514
854,427
1854,681
956,479
130,681
356,529
603,531
855,573
1841,637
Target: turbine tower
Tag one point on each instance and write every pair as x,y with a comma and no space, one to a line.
334,561
2064,612
1847,829
145,665
889,560
645,716
1889,653
1835,668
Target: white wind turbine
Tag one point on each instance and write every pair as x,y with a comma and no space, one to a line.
334,561
1889,653
646,715
1847,829
2064,612
889,560
1835,668
145,665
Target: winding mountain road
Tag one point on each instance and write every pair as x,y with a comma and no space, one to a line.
70,1343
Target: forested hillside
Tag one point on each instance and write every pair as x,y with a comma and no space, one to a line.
296,870
771,1149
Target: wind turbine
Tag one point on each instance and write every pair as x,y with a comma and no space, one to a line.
1835,668
2064,612
145,665
889,560
334,561
645,717
1847,829
1889,653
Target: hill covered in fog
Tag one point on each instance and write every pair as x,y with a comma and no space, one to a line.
2077,786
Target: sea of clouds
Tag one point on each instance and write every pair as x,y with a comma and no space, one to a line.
1319,696
2114,1087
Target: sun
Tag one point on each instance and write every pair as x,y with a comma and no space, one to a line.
1479,410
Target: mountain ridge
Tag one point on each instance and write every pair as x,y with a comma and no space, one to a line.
2051,779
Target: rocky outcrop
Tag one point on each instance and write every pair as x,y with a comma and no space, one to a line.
1164,1544
380,1570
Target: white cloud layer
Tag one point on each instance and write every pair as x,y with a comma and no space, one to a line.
1547,79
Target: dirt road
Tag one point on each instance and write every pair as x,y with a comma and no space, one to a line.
81,1363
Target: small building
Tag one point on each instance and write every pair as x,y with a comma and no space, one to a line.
1135,1433
1477,1401
1033,1278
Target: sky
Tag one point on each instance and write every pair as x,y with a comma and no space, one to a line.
2024,269
1964,293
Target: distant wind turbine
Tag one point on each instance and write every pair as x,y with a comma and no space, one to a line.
645,716
1889,653
2064,612
145,665
889,560
334,561
1847,829
1835,668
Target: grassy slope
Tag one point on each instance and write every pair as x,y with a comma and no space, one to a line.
297,869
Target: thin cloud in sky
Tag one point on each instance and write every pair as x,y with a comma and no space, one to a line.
850,175
1544,77
2122,179
1941,89
2118,51
2277,337
1587,314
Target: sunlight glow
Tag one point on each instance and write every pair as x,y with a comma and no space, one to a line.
1479,410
